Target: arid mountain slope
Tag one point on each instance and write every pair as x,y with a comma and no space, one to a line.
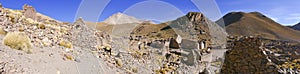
257,24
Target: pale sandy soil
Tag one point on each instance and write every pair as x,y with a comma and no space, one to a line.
49,60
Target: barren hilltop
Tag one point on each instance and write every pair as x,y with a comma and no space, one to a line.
257,24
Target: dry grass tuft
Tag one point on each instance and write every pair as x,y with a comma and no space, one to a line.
2,31
66,44
18,40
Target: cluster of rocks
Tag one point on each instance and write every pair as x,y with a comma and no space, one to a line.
285,54
179,54
250,54
143,54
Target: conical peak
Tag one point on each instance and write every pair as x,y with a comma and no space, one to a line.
120,18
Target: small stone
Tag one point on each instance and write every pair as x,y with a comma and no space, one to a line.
77,60
69,57
174,44
58,72
135,70
69,50
46,42
105,47
119,62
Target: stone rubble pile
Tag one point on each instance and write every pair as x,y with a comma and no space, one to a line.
250,54
175,55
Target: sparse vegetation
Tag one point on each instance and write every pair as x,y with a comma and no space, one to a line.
119,62
65,43
41,26
2,31
68,57
18,40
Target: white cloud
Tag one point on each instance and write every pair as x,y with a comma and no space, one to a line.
284,15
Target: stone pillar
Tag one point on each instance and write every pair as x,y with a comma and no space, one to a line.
179,39
29,12
166,47
202,45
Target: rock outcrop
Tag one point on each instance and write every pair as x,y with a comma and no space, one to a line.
200,28
29,12
185,43
82,35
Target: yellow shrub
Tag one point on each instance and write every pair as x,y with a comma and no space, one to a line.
41,26
66,44
18,40
2,31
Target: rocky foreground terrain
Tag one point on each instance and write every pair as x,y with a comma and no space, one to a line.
32,43
262,56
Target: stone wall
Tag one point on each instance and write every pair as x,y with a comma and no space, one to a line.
247,57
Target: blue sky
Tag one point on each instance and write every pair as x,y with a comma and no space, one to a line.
282,11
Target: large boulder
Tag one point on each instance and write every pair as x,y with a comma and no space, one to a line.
189,44
174,44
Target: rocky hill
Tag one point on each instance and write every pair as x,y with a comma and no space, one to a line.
184,33
257,24
296,27
193,26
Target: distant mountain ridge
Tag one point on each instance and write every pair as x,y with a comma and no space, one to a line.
257,24
296,27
